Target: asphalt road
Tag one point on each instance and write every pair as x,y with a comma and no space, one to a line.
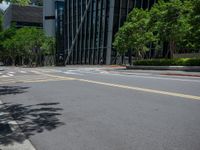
99,108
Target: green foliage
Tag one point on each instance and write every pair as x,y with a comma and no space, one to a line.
4,36
21,2
195,23
48,46
134,34
169,62
164,19
170,24
27,43
1,21
26,40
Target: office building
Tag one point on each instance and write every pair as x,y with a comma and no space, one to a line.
90,26
53,24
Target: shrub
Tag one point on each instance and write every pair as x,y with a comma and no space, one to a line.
169,62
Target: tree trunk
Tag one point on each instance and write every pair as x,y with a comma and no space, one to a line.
122,59
22,61
172,48
130,57
30,61
165,50
13,61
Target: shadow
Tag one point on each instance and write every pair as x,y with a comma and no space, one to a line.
31,120
6,90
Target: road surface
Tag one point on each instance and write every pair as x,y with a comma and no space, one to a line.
98,108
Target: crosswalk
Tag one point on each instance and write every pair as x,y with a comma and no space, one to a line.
29,76
11,73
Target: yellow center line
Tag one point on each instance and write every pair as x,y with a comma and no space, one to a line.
147,90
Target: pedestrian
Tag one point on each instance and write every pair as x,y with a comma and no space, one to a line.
101,61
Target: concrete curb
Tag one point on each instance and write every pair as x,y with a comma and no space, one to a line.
177,68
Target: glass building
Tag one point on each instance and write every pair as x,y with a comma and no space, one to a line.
59,31
89,28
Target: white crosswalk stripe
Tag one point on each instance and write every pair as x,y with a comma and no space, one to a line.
23,72
29,79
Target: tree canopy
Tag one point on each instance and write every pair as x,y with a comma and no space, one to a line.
21,2
195,23
168,24
134,34
25,43
1,21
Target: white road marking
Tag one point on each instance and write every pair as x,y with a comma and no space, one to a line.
23,72
147,77
10,75
71,72
164,78
11,72
4,76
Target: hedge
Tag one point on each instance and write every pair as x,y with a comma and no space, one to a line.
169,62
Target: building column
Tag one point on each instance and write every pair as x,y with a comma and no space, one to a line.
110,32
49,17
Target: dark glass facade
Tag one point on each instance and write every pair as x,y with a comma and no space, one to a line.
59,22
90,26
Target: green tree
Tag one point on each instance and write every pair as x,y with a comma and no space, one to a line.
26,43
168,24
195,23
185,41
11,50
5,35
49,50
29,42
48,46
135,33
1,22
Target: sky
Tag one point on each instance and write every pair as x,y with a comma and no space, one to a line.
3,5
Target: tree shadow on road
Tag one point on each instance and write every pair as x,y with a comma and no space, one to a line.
31,119
7,90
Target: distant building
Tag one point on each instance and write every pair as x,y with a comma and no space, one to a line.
90,26
53,11
53,22
84,29
23,16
